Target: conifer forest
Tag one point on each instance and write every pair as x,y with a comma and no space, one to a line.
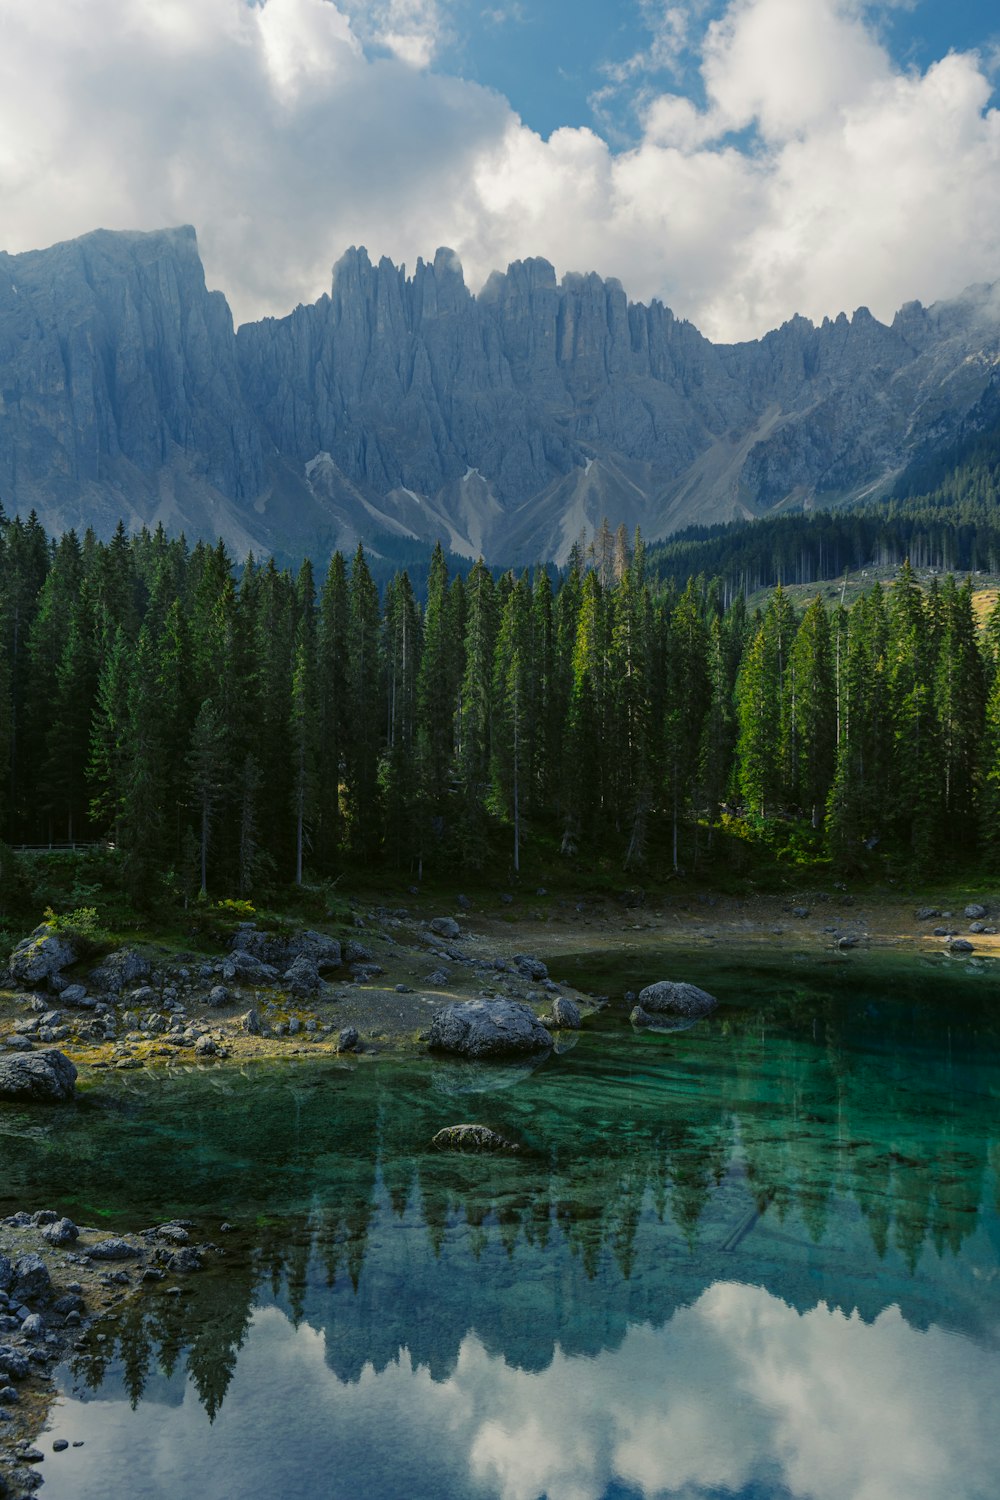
228,730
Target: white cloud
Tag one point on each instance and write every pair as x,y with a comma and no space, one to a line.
738,1392
818,176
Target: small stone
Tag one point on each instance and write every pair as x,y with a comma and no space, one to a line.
60,1445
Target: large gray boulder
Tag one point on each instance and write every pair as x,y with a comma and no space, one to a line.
445,927
45,1076
302,977
120,971
323,951
244,968
42,956
488,1028
264,947
674,997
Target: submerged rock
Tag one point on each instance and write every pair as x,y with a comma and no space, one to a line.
49,1077
677,998
488,1028
472,1138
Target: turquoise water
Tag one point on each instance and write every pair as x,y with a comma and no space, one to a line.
758,1258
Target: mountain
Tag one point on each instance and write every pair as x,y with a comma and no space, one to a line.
407,407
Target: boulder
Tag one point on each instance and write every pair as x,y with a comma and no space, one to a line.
676,998
13,1363
348,1039
488,1028
76,994
217,995
302,977
472,1138
114,1249
121,970
6,1273
445,927
975,911
61,1232
39,958
357,953
925,913
31,1279
530,967
250,1023
565,1015
323,951
266,947
205,1047
244,968
961,945
46,1076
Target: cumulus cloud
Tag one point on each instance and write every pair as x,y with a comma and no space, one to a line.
817,174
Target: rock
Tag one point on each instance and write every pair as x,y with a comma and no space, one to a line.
302,977
182,1261
945,931
801,912
48,1077
438,976
217,995
114,1249
463,903
926,913
31,1279
530,967
975,911
266,947
76,994
19,1043
13,1363
61,1232
847,942
250,1023
205,1047
977,927
565,1015
357,953
364,972
244,968
488,1028
120,971
348,1039
472,1138
676,998
6,1273
33,1326
960,945
321,950
445,927
38,959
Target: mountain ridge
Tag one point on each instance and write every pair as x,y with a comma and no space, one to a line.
407,406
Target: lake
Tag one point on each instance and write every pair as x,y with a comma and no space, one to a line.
757,1258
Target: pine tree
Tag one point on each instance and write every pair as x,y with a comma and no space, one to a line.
206,768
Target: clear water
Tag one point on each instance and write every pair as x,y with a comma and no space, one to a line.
758,1258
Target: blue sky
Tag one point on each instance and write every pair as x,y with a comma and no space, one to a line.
552,60
741,160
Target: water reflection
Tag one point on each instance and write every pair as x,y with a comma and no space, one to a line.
737,1393
761,1257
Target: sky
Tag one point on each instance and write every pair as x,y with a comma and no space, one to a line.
741,161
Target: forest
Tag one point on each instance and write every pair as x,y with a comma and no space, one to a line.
231,731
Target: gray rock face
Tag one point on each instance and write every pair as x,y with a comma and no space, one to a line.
674,997
504,421
48,1077
39,958
488,1028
